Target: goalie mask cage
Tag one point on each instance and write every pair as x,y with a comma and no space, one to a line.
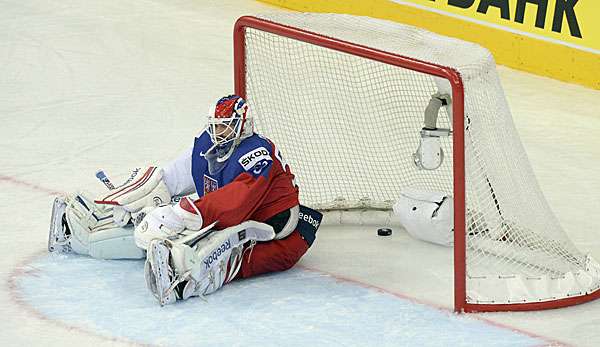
344,97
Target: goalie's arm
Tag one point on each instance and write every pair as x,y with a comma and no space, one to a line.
153,186
178,175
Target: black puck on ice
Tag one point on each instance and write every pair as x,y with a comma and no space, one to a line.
384,231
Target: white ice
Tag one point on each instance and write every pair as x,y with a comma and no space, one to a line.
111,84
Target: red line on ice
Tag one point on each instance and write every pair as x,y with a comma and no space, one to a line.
32,186
449,310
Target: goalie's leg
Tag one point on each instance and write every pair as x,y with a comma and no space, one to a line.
273,256
80,226
176,270
281,255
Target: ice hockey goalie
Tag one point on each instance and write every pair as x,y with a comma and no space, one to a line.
243,219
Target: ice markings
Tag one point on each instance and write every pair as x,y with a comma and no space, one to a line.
294,308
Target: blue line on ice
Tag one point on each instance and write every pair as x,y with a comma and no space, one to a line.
294,308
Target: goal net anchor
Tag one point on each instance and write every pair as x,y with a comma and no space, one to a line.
429,154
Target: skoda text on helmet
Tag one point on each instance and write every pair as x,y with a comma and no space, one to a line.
228,125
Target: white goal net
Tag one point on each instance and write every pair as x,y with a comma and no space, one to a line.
349,125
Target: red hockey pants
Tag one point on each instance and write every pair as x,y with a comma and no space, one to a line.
273,256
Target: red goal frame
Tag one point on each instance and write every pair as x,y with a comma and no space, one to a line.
450,74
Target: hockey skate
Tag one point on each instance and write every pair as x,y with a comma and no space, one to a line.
159,274
168,285
59,234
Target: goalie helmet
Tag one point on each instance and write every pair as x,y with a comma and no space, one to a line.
228,125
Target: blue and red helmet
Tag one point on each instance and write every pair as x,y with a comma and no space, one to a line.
230,106
229,123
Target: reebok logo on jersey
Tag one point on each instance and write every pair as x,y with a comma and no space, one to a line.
255,156
309,219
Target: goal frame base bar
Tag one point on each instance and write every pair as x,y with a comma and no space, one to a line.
531,306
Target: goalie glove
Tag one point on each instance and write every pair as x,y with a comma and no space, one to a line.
168,222
144,188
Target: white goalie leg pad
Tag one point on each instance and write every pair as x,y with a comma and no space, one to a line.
92,231
427,215
202,268
218,257
116,243
144,188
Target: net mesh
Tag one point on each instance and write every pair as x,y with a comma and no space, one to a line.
348,126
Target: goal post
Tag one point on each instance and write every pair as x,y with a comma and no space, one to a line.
344,96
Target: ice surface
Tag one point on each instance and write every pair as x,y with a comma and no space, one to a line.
295,308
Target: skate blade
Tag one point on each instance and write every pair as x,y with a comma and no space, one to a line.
58,209
160,268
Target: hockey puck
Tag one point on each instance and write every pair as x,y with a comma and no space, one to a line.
384,231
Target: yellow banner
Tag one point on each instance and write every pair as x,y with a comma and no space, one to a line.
554,38
575,23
